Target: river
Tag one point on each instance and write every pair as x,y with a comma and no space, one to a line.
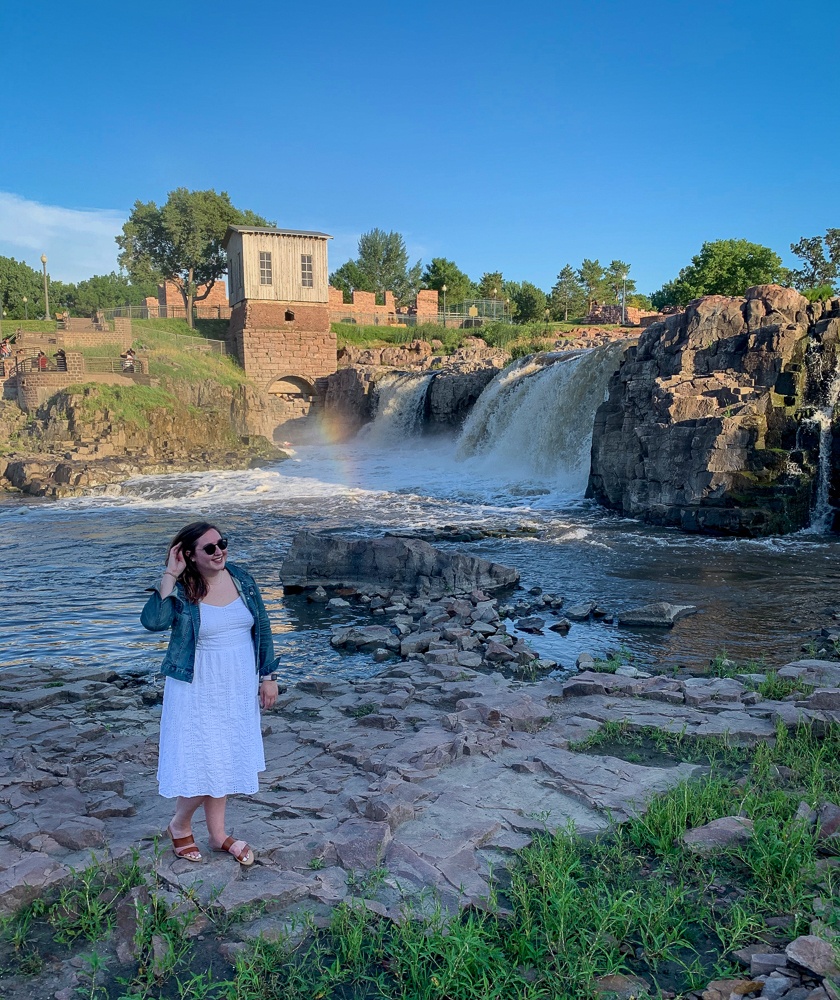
76,570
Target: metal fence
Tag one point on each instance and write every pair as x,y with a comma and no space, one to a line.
455,319
168,312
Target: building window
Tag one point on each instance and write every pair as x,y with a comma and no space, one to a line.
265,268
290,316
306,270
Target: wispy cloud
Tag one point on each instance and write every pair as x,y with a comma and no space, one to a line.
77,242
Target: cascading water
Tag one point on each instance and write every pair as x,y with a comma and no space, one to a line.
538,414
822,514
401,405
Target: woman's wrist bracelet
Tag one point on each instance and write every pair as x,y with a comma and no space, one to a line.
168,572
268,677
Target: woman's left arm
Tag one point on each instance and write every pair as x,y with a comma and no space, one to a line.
268,687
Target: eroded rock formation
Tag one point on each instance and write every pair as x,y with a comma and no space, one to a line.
711,423
317,560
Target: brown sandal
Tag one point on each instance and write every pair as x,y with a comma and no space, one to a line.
182,847
245,856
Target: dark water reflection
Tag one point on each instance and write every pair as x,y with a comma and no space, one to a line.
76,571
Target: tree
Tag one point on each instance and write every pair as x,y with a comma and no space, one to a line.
617,281
105,291
817,270
723,267
491,285
528,301
591,276
350,278
381,266
639,301
442,272
181,241
567,295
18,279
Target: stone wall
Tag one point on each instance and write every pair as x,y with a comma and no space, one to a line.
709,423
612,314
276,339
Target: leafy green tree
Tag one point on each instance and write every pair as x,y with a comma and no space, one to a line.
567,296
723,267
18,279
639,301
527,300
381,266
817,270
591,276
440,272
181,241
617,281
491,285
105,291
350,278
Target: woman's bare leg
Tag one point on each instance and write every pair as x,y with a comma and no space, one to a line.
181,824
214,813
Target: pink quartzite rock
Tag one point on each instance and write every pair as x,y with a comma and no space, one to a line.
720,833
814,954
360,843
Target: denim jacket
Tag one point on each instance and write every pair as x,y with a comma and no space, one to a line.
184,618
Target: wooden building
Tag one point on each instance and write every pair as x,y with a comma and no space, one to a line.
278,287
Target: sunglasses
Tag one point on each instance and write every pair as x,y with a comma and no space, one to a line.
210,548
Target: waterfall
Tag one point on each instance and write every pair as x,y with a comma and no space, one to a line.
822,513
538,413
400,406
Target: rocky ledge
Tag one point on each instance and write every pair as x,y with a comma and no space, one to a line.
713,423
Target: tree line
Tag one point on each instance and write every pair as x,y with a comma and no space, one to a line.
181,241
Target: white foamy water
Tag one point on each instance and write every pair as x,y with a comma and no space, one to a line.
537,415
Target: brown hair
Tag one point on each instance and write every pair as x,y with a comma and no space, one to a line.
194,584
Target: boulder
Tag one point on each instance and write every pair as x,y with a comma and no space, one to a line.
719,834
706,422
814,954
408,564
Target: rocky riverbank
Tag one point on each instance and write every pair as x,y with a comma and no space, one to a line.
94,438
426,778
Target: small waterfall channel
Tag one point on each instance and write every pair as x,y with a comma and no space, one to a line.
537,415
822,514
400,406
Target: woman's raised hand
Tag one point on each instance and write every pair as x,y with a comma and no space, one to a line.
176,563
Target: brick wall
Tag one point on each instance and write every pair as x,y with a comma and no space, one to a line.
612,314
169,294
268,345
427,303
50,342
362,308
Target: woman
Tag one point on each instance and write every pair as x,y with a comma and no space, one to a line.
218,670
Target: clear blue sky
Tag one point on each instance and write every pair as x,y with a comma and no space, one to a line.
512,137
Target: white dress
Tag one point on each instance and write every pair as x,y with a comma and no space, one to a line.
210,736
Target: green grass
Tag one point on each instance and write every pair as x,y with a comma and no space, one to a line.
572,909
11,326
129,404
179,357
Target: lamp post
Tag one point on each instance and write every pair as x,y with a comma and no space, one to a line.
26,306
507,306
624,300
46,289
494,305
443,289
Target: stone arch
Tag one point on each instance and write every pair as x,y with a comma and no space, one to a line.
291,385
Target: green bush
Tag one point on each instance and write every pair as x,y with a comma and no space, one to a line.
820,294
